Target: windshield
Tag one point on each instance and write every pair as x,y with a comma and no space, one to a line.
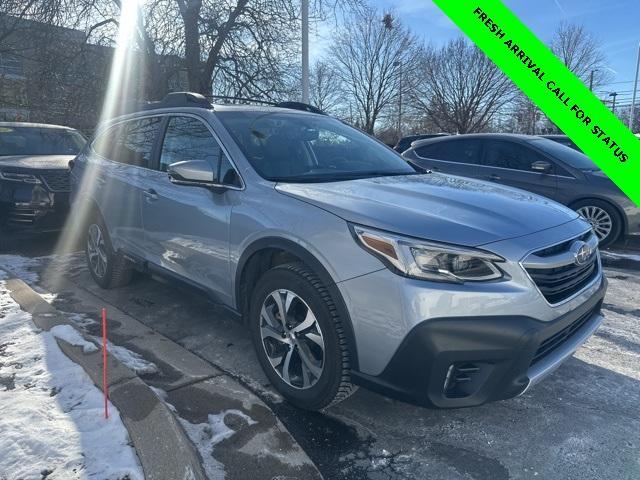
39,141
566,154
292,147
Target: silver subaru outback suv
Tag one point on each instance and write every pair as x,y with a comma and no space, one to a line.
347,265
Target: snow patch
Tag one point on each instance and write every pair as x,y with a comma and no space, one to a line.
21,267
80,319
205,436
52,414
132,360
72,336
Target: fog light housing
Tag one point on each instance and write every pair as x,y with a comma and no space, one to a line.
464,379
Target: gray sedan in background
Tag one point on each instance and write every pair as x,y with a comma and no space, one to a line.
538,165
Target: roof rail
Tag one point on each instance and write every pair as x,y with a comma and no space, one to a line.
245,100
179,99
291,105
300,106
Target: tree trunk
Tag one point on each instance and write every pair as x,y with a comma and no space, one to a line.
190,11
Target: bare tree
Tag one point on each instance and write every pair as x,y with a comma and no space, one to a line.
371,51
325,86
461,90
579,51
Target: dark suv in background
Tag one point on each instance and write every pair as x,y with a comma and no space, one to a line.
34,174
538,165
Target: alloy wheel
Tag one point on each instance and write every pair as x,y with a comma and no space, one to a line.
292,339
96,250
599,219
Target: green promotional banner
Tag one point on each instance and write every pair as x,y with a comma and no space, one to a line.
530,64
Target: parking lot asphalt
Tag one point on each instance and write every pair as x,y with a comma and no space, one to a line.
582,422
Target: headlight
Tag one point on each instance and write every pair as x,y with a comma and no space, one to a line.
19,177
427,260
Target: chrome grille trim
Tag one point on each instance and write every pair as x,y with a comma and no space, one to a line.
562,268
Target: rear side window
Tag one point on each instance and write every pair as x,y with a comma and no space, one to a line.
510,155
188,138
459,151
130,142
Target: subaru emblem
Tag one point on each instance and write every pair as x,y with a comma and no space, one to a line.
581,252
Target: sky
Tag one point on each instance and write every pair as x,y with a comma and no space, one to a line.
613,23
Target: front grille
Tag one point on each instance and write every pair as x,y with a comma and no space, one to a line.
558,284
555,271
556,340
57,180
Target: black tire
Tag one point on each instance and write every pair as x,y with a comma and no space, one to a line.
333,384
612,212
118,271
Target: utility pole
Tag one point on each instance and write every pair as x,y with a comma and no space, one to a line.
305,51
614,95
591,80
635,89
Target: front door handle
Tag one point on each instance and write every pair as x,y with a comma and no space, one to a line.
494,177
151,195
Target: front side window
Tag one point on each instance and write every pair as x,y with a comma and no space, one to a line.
295,147
187,138
129,142
510,155
572,157
457,150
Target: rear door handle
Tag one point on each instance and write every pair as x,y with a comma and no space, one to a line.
151,195
493,176
101,181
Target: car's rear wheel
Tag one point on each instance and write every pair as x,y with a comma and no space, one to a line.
299,337
108,268
604,219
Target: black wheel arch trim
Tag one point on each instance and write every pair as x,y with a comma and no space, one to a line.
312,262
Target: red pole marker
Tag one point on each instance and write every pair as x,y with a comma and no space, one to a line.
105,385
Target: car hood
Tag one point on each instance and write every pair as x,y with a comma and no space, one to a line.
437,207
40,162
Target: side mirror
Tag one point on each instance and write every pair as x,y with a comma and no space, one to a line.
192,172
541,166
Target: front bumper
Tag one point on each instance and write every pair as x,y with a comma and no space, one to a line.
468,361
32,207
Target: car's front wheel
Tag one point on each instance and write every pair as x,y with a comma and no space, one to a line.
604,219
108,268
299,337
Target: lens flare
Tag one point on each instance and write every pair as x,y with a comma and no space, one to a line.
124,88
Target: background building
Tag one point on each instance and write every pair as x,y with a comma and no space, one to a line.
51,74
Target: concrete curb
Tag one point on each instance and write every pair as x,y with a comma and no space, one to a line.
162,445
260,448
